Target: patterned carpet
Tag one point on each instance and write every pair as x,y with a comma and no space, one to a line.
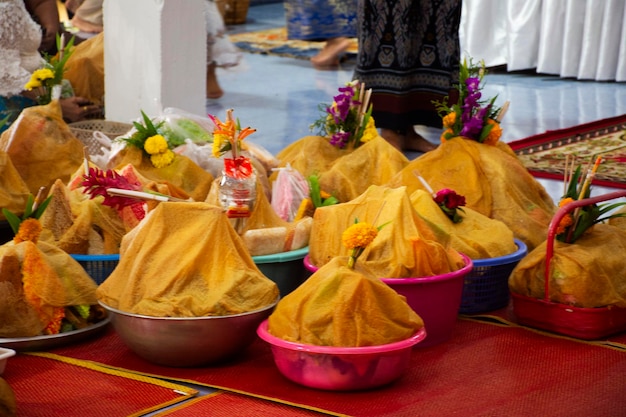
544,155
275,42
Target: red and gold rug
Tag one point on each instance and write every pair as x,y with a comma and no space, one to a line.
274,42
544,155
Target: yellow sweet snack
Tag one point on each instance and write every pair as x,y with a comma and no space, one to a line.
339,306
186,260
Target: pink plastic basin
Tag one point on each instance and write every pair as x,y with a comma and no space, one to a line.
436,299
341,368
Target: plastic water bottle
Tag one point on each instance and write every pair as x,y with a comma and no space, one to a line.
237,195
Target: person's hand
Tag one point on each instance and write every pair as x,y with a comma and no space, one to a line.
76,109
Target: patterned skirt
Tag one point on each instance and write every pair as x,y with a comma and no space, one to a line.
409,55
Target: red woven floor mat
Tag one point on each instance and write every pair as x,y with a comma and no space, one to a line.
46,387
484,370
227,404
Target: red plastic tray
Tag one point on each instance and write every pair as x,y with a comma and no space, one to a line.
578,322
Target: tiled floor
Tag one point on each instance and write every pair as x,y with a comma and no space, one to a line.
280,96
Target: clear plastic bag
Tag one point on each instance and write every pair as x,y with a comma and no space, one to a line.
288,191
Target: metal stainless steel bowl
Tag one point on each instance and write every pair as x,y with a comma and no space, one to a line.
187,341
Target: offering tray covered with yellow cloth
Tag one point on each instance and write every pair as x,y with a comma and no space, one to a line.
342,330
560,299
186,292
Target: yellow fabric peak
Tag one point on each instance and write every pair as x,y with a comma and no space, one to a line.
493,181
477,236
186,260
406,247
339,306
344,173
42,147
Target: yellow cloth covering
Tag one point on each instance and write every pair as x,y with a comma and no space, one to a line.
477,236
344,173
589,273
53,276
406,247
42,146
182,173
619,221
338,306
85,69
13,190
493,182
185,260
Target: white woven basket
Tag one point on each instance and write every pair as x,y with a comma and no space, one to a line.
85,132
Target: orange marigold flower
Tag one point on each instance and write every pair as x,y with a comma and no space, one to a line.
565,201
54,326
565,222
359,235
30,229
324,194
449,119
37,274
494,134
446,133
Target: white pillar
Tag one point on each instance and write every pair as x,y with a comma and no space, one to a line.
154,57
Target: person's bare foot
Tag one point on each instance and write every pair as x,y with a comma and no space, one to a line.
394,138
416,143
410,141
328,57
213,89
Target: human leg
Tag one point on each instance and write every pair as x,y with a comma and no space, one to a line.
213,89
329,55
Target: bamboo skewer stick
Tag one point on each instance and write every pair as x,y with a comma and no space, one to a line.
38,198
142,195
503,110
424,183
86,160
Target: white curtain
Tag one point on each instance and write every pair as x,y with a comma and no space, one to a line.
583,39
